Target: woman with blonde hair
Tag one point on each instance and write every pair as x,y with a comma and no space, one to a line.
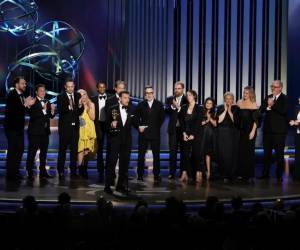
249,122
87,145
228,137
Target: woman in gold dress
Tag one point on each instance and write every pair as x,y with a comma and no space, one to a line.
87,145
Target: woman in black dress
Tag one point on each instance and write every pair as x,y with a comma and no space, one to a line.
249,121
228,137
209,124
190,117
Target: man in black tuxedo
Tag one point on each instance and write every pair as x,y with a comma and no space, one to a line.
173,106
38,131
69,108
119,122
149,117
275,128
14,121
114,100
100,124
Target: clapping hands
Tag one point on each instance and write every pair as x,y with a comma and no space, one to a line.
29,101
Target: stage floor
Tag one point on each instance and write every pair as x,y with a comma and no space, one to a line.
86,191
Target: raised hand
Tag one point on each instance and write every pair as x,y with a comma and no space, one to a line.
225,107
29,101
175,104
270,102
292,123
53,108
185,137
251,135
191,137
114,124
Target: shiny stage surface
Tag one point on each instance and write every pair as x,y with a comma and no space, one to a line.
85,192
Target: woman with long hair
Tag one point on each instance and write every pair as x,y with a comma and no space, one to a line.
248,123
190,117
87,145
209,123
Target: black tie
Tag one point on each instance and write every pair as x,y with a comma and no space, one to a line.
125,107
102,96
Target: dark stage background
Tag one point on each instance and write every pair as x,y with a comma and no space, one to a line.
212,45
294,52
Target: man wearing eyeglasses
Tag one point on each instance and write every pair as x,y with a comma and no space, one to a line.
149,119
275,128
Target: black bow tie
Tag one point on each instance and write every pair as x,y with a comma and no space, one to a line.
102,96
43,100
124,107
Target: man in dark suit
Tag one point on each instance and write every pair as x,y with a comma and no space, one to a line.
149,117
119,121
100,125
275,128
38,131
114,99
69,108
14,121
173,106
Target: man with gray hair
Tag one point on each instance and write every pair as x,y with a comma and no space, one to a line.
149,117
120,86
275,128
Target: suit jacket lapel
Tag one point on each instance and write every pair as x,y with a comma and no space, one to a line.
97,107
128,116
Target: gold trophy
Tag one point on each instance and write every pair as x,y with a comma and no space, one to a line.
114,115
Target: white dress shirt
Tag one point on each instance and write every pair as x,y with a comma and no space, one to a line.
101,105
42,103
150,103
123,114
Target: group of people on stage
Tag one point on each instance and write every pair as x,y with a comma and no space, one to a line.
203,135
